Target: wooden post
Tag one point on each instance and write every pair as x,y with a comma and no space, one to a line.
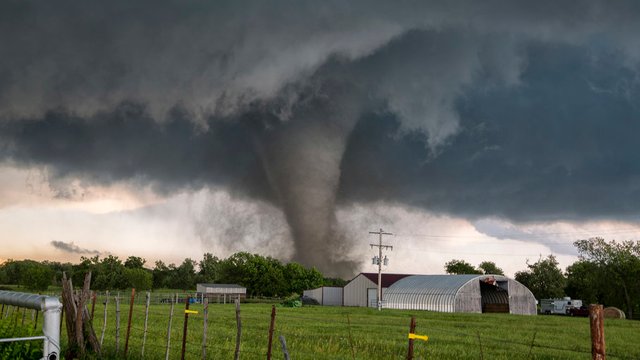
68,307
596,319
93,303
146,318
117,322
80,333
412,330
35,324
239,332
104,322
175,298
82,298
283,342
271,326
126,341
24,315
184,330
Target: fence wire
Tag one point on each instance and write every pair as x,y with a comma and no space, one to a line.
310,334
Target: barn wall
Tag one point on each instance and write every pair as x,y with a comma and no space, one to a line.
521,300
332,296
468,298
355,292
315,294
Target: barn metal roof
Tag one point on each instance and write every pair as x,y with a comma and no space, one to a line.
426,292
430,284
222,286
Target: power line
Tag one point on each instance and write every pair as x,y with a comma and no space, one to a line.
494,241
576,233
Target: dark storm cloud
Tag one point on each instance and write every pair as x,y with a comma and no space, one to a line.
72,248
561,146
516,109
127,145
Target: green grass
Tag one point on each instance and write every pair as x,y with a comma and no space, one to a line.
316,332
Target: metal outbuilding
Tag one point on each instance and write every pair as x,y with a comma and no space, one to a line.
326,295
362,289
460,293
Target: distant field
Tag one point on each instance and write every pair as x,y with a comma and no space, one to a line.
315,332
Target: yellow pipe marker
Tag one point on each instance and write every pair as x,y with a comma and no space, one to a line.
419,337
190,311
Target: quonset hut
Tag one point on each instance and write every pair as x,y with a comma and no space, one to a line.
460,293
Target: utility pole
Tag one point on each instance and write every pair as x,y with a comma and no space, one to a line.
379,245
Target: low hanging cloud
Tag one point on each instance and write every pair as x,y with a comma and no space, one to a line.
518,110
70,247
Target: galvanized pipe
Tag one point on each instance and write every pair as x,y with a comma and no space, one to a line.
51,310
23,339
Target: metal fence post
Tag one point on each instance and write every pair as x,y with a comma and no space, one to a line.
51,313
412,330
184,330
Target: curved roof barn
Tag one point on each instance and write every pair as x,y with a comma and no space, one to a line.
461,293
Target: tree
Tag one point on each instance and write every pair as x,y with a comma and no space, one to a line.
620,262
489,267
586,281
108,274
12,270
460,267
338,282
544,278
209,268
35,276
134,262
160,274
138,278
184,276
298,278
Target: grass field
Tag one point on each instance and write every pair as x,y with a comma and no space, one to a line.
316,332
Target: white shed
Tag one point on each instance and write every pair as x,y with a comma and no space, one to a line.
326,295
221,292
363,289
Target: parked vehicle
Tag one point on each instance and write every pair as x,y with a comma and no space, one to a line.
559,306
578,311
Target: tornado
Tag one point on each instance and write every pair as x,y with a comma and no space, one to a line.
302,159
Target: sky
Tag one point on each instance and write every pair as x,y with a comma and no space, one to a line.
483,131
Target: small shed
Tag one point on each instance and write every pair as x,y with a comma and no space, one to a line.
221,292
362,290
461,293
326,295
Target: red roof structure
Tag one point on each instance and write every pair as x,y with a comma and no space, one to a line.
387,279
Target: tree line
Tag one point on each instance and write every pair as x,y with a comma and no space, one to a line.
606,273
262,276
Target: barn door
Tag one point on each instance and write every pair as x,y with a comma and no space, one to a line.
372,297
